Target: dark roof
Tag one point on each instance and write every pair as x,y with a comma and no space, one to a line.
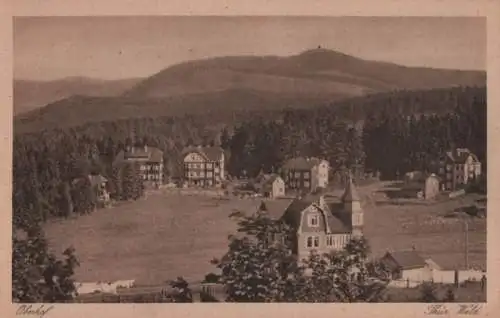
459,155
292,214
350,194
266,181
209,153
97,180
152,154
301,163
275,208
336,224
407,259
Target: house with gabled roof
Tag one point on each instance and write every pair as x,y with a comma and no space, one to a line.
304,173
459,167
324,226
270,185
409,265
150,160
203,166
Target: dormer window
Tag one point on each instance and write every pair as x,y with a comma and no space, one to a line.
313,220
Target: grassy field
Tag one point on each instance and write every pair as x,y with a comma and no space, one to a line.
392,226
151,240
169,235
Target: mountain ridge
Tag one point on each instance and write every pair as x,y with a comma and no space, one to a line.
225,84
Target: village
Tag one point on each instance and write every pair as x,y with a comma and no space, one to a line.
408,221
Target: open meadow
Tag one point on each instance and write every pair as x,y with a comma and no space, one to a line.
168,235
428,227
150,240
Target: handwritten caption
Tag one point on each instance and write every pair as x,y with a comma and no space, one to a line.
33,310
465,309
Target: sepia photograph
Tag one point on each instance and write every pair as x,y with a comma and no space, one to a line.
249,159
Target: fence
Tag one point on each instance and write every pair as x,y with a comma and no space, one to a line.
210,292
443,277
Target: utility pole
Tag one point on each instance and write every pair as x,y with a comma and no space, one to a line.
466,229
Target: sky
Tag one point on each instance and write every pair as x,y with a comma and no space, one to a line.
47,48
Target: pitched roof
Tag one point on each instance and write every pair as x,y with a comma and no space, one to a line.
337,225
209,153
275,208
152,154
301,163
350,193
459,155
266,181
407,259
293,213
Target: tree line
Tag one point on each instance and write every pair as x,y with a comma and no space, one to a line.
396,143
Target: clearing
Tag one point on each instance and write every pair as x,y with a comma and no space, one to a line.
168,235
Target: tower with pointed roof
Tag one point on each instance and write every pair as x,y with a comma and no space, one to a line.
352,205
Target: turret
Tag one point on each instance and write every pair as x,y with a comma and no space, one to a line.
352,205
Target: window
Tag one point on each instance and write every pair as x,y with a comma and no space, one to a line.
312,241
306,184
448,167
297,174
306,175
209,174
329,240
314,220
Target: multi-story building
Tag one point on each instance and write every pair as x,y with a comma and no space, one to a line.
323,226
458,168
203,166
150,160
306,173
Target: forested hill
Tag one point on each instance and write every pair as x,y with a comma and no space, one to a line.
394,140
312,72
225,85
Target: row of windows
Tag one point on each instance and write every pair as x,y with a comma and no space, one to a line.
472,167
201,174
305,174
209,165
151,167
204,182
152,177
330,240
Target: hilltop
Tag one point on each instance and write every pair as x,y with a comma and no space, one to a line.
224,85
